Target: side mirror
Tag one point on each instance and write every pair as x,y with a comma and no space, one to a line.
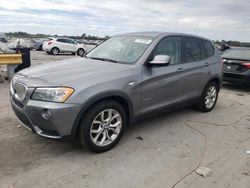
160,60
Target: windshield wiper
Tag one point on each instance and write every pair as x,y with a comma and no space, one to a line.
103,59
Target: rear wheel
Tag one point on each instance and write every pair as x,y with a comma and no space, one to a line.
54,51
209,98
103,126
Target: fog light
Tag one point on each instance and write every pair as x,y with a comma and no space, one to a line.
46,114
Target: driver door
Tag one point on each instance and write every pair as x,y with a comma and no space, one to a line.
162,85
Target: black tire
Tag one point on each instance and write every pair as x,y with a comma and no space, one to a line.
84,134
201,106
55,51
80,52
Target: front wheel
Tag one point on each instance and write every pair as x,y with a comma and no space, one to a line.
209,98
80,52
103,126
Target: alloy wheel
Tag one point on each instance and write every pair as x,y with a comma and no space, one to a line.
211,96
105,127
55,51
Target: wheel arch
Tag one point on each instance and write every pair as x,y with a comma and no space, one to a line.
81,48
55,47
217,80
119,97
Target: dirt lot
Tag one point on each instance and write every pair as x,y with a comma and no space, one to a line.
152,153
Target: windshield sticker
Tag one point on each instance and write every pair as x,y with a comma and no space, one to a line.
143,41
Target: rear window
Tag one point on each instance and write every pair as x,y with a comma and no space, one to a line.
235,53
208,47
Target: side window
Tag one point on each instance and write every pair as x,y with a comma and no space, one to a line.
71,41
67,41
203,50
209,48
192,50
170,46
60,40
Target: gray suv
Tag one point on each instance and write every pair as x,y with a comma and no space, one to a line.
94,97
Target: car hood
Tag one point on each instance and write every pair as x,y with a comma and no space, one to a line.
70,71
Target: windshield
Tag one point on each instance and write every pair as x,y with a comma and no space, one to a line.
123,49
237,53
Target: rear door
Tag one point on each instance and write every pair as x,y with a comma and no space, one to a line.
196,67
61,45
71,46
161,85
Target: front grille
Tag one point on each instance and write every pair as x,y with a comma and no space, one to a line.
18,90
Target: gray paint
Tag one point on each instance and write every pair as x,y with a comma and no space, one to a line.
145,88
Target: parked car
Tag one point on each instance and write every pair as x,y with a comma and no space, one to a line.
4,48
38,45
21,43
3,38
63,45
237,65
93,98
224,47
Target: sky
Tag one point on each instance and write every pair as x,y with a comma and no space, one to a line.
214,19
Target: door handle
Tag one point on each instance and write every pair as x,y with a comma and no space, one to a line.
180,69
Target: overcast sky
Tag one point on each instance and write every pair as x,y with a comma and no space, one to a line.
215,19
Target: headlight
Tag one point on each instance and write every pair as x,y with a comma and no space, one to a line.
56,94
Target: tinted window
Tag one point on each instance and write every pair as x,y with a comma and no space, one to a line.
193,50
68,41
170,46
60,40
203,50
209,48
72,42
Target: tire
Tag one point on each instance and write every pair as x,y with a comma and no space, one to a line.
100,136
55,51
208,98
80,52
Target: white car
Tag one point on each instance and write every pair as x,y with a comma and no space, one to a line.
55,46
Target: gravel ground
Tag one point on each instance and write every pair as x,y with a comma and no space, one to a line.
153,153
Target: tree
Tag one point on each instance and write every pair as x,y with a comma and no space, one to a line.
83,35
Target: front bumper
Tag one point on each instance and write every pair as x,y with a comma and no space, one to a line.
57,125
